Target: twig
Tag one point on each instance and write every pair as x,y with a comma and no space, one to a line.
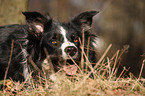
82,48
119,57
75,64
115,63
35,66
121,73
141,69
11,53
88,45
139,75
50,62
103,56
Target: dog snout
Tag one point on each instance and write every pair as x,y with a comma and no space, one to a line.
71,50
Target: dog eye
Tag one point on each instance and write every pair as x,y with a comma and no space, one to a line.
76,40
53,42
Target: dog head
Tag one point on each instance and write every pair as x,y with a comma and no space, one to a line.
61,40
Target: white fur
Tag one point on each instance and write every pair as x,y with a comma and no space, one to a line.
98,43
39,27
65,44
25,71
24,63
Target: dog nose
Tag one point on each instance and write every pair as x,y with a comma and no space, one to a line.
71,50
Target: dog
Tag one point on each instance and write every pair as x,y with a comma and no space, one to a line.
20,45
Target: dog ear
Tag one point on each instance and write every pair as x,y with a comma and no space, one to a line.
36,22
84,20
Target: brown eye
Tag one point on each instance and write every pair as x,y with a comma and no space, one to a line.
76,40
53,42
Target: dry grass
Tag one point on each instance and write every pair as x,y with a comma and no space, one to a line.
105,81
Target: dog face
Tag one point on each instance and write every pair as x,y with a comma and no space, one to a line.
61,40
55,35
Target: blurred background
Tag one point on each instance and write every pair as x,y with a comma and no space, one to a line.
120,22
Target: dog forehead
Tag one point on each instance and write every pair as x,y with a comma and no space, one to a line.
62,31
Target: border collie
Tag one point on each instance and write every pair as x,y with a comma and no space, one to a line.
62,42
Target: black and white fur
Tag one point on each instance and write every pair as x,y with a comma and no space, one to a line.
59,39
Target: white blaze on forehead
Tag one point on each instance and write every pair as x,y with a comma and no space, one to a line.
63,32
66,43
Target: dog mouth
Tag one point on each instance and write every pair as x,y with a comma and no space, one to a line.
69,68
